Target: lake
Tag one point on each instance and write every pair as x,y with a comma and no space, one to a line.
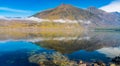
16,48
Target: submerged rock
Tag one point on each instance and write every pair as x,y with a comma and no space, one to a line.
112,65
116,60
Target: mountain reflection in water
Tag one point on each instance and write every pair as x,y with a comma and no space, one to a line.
89,46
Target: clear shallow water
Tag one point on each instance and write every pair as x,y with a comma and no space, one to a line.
16,53
87,47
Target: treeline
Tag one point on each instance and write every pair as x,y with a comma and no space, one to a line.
107,29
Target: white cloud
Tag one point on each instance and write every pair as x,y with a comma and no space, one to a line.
112,7
110,52
58,20
14,10
2,17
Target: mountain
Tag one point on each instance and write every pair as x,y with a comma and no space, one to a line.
64,12
92,16
106,18
69,13
116,13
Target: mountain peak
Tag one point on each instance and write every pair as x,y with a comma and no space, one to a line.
116,12
95,10
92,8
65,6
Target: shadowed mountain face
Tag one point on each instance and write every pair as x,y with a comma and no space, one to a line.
106,18
117,14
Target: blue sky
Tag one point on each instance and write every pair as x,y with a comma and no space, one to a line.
23,8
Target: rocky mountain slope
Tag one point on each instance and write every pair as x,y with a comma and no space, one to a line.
65,12
95,17
105,17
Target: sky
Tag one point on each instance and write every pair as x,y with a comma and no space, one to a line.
24,8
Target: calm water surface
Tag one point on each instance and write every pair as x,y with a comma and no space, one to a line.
15,50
